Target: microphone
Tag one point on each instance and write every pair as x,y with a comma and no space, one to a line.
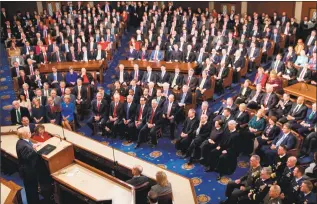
64,134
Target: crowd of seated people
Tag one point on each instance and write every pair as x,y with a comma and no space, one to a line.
144,103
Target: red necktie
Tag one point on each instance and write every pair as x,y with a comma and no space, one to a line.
115,110
98,106
153,111
140,113
301,76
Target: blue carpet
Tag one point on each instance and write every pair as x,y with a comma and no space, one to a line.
207,188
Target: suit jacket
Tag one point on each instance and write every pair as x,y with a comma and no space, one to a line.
279,67
24,113
258,99
287,107
125,76
53,113
140,75
137,181
102,55
132,111
223,106
174,108
145,111
307,75
70,58
241,119
50,77
25,80
191,56
300,113
246,93
272,101
163,79
103,109
273,133
41,58
239,63
83,92
13,71
157,118
145,55
267,46
204,131
256,53
224,73
27,69
203,58
133,54
207,84
192,83
188,98
54,57
159,56
27,159
289,141
119,111
152,77
292,57
178,81
137,91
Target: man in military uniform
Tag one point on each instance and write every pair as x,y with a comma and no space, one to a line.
306,195
280,162
273,197
291,193
287,174
241,187
260,188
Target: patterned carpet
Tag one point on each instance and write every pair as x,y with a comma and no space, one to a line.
207,188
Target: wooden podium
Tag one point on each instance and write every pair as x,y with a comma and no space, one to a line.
60,157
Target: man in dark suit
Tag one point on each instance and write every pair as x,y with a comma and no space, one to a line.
170,110
154,122
241,186
52,112
57,56
204,83
253,53
80,92
137,178
39,95
310,40
162,77
304,74
276,37
269,99
188,132
100,112
219,77
54,78
255,98
132,54
283,107
30,127
115,117
285,138
136,74
277,65
307,125
176,79
127,124
244,93
44,57
140,116
143,55
122,76
241,116
160,99
99,54
227,104
72,56
190,80
28,165
297,112
16,69
201,134
188,55
148,76
29,94
23,79
265,46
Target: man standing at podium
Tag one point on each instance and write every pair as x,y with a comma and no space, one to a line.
28,163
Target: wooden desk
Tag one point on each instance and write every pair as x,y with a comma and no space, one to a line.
98,66
300,89
156,66
183,188
94,184
10,192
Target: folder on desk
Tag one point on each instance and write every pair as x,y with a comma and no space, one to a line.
46,149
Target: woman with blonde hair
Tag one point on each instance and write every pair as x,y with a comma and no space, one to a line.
163,186
68,109
38,111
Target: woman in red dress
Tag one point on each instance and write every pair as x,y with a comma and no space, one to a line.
40,134
103,43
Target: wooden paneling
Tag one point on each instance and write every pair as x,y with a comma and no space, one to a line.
270,7
306,6
192,4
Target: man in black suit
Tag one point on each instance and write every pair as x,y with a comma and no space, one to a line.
16,69
23,79
127,123
39,95
265,46
28,165
227,104
162,77
136,74
57,56
153,124
72,56
29,94
269,99
190,80
297,112
148,76
137,178
237,64
219,77
204,83
80,92
176,79
188,132
140,116
241,116
277,65
170,110
54,78
304,74
115,117
188,55
122,76
37,80
52,112
255,98
201,56
30,127
201,134
143,55
99,54
244,93
100,112
282,108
